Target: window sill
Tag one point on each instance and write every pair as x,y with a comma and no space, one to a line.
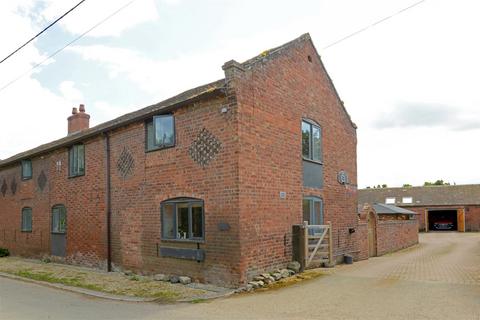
26,231
76,176
312,161
184,240
26,178
158,148
58,232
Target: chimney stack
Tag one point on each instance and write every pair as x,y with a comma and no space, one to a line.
79,120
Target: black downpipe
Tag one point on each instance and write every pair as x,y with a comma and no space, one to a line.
109,203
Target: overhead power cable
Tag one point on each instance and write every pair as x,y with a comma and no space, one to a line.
373,24
68,44
38,34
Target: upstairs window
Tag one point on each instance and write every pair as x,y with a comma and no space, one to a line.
76,164
183,219
27,220
161,132
390,200
27,169
311,142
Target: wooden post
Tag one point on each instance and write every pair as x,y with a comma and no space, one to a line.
330,243
305,246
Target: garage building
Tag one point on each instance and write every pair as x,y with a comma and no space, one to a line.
438,208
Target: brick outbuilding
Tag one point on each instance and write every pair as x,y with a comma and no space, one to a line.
436,206
207,183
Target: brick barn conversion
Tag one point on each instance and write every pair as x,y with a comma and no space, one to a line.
458,204
207,183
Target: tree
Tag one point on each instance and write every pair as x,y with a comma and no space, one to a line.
436,183
384,186
407,185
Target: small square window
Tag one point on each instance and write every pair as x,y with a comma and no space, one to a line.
27,169
407,200
160,132
27,220
390,200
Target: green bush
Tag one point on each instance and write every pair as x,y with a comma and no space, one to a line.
4,252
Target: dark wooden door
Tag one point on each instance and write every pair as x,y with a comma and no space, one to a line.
58,243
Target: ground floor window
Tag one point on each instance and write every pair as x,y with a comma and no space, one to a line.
182,219
27,220
313,210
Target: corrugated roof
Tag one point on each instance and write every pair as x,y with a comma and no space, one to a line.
424,196
381,208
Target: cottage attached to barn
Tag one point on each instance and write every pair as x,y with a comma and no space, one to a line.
207,183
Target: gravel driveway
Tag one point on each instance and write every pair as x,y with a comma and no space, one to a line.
438,279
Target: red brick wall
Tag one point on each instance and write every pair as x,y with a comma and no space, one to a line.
273,96
393,235
361,235
260,156
83,198
170,173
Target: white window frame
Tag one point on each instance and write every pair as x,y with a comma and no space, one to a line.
407,200
390,200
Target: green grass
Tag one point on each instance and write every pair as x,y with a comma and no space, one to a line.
49,277
79,281
194,301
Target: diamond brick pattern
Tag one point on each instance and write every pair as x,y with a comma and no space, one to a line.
204,148
125,164
42,180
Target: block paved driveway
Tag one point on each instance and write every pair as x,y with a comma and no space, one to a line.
439,279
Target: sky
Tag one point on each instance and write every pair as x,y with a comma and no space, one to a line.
410,83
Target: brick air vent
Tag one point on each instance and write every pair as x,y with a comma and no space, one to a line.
204,148
125,163
42,180
13,186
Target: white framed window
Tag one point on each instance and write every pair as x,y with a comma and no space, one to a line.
390,200
407,200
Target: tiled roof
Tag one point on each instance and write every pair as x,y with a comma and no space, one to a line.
211,89
188,96
424,196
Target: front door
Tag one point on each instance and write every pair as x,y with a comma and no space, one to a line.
58,242
461,220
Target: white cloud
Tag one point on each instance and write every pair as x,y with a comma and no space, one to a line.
70,93
28,109
91,12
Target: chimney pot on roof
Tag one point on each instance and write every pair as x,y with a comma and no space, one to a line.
78,121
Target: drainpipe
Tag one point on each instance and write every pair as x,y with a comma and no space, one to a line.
108,193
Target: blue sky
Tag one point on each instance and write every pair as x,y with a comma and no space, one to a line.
409,83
